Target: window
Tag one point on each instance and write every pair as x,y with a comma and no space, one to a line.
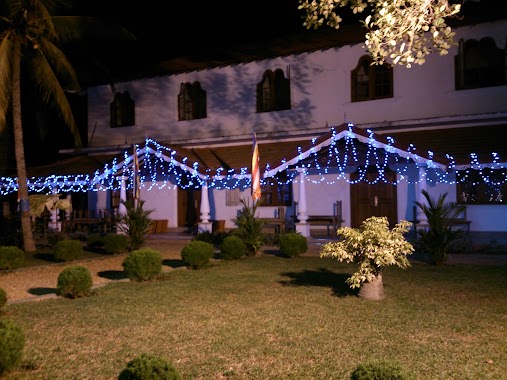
369,82
273,92
191,102
486,186
122,110
479,64
276,194
232,197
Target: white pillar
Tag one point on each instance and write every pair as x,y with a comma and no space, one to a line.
422,184
122,209
302,226
204,224
123,197
55,224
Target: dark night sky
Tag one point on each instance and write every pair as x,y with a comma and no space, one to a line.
168,28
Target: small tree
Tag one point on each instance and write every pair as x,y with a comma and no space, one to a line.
134,223
372,246
441,234
250,228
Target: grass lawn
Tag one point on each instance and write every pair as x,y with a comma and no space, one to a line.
269,317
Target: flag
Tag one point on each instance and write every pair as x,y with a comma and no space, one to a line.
137,180
256,174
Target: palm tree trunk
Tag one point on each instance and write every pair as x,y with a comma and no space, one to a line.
19,151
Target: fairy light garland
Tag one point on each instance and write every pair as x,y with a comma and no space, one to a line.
161,168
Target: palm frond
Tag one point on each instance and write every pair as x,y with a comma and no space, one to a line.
78,27
53,93
59,63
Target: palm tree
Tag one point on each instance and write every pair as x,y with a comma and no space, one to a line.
28,34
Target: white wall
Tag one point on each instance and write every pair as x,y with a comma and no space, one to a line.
320,91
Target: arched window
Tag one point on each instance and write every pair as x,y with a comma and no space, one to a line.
273,92
191,102
369,82
479,64
122,110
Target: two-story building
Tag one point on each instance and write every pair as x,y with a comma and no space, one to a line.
332,130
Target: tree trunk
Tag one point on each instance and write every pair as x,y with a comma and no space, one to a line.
19,151
373,290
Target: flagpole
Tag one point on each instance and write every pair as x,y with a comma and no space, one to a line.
256,175
137,182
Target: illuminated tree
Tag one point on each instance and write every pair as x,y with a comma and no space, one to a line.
401,31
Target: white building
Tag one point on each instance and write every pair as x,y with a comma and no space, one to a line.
431,119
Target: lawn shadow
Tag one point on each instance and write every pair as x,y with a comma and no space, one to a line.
113,274
321,277
273,252
41,291
173,263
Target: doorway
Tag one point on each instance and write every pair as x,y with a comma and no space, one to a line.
189,205
373,199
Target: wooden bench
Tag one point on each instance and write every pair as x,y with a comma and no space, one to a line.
329,221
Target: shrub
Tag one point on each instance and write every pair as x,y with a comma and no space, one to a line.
205,236
143,264
293,244
95,241
380,370
197,254
134,223
11,257
146,367
54,237
12,343
68,250
3,298
115,243
232,248
438,238
249,228
74,282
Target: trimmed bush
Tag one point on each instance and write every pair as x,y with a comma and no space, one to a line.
115,243
232,248
95,241
12,343
74,282
143,264
197,254
146,367
11,257
68,250
293,244
205,236
380,370
3,298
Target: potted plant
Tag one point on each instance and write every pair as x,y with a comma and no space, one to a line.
372,246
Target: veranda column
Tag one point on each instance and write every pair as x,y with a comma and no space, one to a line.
204,224
55,224
122,209
302,226
123,197
422,184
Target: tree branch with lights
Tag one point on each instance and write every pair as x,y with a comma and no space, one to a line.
401,31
